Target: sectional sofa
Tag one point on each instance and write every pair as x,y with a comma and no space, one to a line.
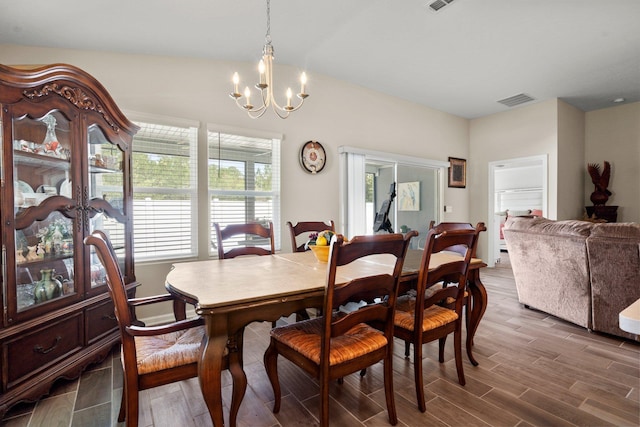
579,271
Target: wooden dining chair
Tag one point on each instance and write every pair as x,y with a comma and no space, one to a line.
339,343
250,231
151,356
446,226
253,233
305,228
435,311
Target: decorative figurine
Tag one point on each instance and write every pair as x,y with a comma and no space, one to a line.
600,195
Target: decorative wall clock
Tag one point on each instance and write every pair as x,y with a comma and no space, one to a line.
312,157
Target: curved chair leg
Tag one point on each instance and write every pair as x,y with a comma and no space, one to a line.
123,406
324,402
388,390
417,373
457,339
441,343
132,407
271,366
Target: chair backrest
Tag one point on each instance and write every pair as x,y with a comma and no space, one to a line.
306,227
115,281
379,290
454,272
446,226
249,230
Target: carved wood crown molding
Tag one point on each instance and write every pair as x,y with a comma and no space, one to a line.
76,96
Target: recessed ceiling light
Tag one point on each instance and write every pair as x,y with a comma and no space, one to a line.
618,100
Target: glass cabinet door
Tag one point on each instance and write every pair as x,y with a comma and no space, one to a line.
44,261
42,159
106,199
44,210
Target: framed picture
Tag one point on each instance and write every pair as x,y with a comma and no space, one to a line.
457,172
409,196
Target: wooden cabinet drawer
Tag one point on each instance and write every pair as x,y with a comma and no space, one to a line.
50,343
100,321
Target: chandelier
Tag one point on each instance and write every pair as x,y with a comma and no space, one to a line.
265,68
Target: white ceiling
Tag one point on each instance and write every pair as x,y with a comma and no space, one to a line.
460,60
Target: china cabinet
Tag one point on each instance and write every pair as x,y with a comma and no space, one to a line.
65,168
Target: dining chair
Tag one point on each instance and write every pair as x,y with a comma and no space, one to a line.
305,228
480,227
338,342
250,231
151,356
446,226
434,311
179,306
253,233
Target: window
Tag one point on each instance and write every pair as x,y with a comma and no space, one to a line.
244,182
164,189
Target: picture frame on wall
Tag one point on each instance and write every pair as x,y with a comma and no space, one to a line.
409,196
457,172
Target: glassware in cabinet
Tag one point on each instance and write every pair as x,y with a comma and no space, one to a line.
42,158
44,253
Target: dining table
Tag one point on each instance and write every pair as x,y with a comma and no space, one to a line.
229,294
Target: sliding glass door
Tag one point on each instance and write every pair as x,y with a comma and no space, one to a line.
386,192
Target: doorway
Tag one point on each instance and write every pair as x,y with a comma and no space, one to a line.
516,187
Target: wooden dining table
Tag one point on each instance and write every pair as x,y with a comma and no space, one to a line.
229,294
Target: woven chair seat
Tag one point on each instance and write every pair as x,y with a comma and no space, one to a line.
158,352
434,316
304,337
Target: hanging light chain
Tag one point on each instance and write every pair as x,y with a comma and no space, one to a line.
267,36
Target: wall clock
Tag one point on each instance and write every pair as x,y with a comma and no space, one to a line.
312,156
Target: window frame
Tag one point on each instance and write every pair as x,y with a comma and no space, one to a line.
192,192
275,193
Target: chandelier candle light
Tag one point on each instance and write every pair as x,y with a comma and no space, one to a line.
265,68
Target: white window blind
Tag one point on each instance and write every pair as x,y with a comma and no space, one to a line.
164,191
244,183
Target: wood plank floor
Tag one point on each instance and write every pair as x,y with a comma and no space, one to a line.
535,370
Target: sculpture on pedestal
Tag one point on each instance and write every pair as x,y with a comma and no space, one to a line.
601,180
601,194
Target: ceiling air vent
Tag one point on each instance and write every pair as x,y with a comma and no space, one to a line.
439,4
514,100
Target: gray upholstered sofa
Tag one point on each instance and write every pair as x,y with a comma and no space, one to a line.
579,271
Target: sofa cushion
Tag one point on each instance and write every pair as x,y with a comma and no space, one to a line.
614,266
550,266
547,226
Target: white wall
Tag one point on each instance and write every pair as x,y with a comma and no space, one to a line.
571,164
613,134
521,132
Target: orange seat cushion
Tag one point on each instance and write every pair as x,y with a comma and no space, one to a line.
304,337
434,316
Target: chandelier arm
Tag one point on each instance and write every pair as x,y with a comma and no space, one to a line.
256,116
290,109
282,116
